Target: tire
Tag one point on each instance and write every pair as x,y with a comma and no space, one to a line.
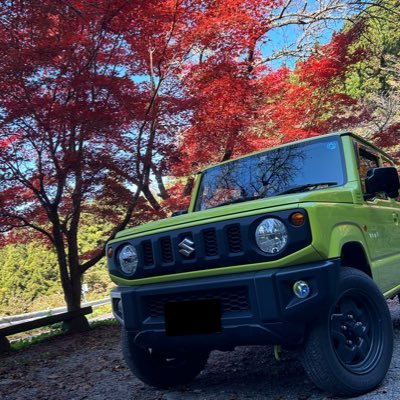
348,351
157,369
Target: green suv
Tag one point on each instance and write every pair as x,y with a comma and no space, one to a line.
294,246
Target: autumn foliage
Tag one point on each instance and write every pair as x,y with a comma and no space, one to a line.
237,109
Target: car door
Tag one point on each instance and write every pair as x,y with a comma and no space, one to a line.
381,228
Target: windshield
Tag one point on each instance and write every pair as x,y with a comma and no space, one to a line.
294,168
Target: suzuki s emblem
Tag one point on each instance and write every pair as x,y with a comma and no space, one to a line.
186,247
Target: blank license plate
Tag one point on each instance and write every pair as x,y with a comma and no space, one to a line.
192,317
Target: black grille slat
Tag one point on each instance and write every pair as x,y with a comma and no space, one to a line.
232,299
234,238
210,242
166,250
148,258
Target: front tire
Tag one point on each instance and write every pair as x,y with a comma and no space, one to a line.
159,369
348,351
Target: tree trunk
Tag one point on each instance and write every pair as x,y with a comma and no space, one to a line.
70,281
73,300
187,190
150,198
76,325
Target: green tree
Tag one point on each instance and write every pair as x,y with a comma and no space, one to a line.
91,236
375,80
27,272
29,277
380,45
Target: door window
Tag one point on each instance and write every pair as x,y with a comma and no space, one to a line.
366,161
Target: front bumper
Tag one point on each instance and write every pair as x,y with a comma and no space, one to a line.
255,307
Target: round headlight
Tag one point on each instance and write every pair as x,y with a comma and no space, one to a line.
271,235
128,259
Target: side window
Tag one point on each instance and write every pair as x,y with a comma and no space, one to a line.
366,161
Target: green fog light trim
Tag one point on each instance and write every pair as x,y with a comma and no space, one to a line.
301,289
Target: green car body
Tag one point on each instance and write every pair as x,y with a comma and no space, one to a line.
344,226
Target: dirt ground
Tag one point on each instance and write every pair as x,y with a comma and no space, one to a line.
90,366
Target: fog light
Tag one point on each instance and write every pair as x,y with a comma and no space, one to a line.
301,289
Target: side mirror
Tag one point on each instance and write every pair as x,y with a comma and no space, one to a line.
179,212
384,179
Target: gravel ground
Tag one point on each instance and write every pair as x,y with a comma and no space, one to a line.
90,366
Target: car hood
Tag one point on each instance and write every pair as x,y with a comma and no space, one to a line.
337,195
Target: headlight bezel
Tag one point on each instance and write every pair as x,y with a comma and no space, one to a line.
134,254
276,227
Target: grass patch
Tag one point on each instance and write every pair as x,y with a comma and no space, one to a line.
105,322
20,344
100,310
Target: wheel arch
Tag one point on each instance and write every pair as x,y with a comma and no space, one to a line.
347,242
353,255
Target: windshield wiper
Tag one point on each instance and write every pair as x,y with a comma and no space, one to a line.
300,188
239,200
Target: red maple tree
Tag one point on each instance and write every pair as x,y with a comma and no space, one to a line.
66,114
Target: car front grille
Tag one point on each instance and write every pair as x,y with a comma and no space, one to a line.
210,242
234,238
166,250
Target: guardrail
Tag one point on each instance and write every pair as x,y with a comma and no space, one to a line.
8,321
25,322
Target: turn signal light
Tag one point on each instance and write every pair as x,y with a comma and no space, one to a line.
110,252
297,219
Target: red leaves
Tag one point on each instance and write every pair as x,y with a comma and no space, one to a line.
177,200
224,102
311,100
8,141
330,62
238,108
390,138
64,104
100,98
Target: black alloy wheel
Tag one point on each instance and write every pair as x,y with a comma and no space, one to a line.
348,351
355,332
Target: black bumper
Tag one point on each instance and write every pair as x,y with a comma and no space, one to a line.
255,307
